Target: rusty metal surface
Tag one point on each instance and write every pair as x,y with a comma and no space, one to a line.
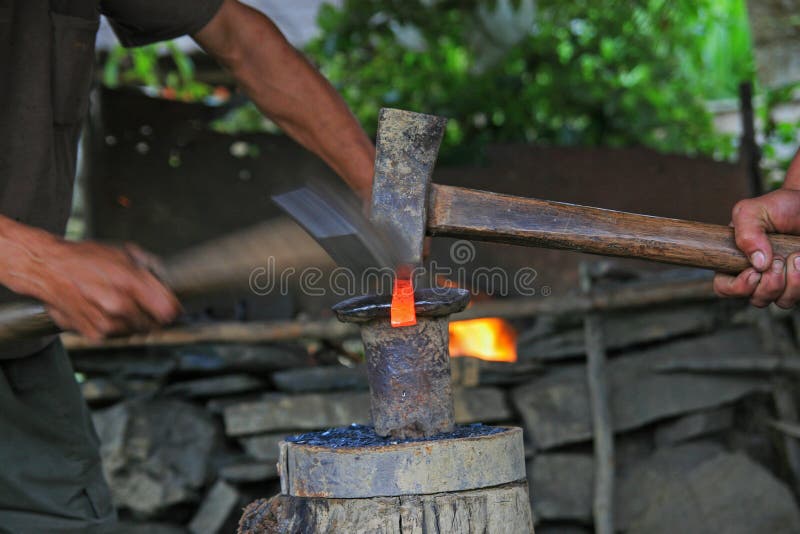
415,468
407,146
409,377
408,368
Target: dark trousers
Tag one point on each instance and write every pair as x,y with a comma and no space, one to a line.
51,478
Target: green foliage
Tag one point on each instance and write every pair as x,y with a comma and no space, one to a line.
722,57
780,137
141,67
244,119
585,72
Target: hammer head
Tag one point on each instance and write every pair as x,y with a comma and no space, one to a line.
407,146
406,149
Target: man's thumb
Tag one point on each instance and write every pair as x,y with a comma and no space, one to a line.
750,229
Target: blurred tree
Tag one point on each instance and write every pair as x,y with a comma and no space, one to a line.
140,67
583,72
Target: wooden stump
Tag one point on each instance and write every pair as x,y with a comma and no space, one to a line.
498,510
468,483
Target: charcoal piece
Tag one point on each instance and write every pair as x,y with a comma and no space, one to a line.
555,407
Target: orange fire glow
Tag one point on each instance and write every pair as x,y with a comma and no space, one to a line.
492,339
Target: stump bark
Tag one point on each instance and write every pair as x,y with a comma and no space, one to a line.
499,510
470,481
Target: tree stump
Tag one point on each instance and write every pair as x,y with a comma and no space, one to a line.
473,482
499,510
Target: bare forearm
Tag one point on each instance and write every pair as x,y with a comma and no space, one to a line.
88,287
290,91
305,105
22,251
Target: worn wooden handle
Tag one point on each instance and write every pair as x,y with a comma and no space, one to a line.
471,214
25,320
222,263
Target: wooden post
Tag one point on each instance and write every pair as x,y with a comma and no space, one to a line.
749,152
602,423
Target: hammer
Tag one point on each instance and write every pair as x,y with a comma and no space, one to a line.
404,198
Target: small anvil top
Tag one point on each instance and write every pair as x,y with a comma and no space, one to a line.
431,302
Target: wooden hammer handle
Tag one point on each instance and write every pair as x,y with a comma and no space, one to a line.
472,214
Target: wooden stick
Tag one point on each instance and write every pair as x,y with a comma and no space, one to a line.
633,295
602,426
471,214
227,332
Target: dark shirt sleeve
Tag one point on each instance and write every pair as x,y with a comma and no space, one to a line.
141,22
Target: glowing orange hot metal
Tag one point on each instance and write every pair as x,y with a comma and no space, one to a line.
403,312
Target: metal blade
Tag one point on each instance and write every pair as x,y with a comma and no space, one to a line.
335,221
